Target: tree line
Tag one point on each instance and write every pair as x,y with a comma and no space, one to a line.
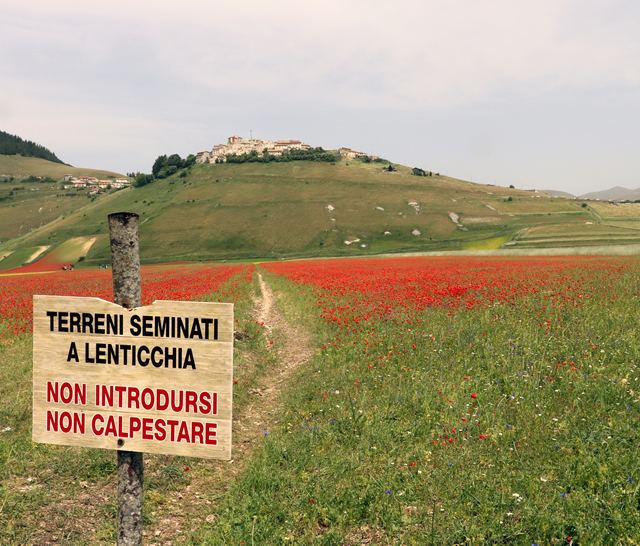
167,165
14,145
163,167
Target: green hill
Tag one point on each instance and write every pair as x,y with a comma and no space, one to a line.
306,209
19,167
25,204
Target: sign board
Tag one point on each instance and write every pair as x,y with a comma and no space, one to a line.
156,379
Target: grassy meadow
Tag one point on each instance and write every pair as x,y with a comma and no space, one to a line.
510,423
21,167
448,401
309,209
52,494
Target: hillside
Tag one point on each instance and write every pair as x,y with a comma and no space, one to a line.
558,193
21,167
27,205
617,192
304,209
14,145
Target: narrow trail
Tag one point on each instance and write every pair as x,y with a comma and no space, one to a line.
296,348
293,348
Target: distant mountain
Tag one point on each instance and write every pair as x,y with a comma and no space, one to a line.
633,195
558,193
14,145
617,192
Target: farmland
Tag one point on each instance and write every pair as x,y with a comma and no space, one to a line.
256,211
446,399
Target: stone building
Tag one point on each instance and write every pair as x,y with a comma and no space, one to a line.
238,145
351,154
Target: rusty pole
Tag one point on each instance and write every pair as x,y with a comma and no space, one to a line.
125,260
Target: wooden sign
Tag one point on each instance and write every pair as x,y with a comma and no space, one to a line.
155,379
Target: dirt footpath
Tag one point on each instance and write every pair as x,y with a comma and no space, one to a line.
293,348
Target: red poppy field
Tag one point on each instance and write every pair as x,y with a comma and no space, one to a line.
180,283
449,401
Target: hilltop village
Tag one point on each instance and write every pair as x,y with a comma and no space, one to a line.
238,146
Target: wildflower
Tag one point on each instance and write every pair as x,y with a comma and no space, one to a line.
311,501
187,469
630,479
388,492
474,396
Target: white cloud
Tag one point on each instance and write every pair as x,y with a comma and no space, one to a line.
152,77
407,54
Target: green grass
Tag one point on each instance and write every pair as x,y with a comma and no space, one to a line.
350,458
35,205
21,167
18,258
485,244
279,210
67,495
72,250
560,453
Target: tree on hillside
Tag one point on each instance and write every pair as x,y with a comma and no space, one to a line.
142,180
158,164
165,166
14,145
174,160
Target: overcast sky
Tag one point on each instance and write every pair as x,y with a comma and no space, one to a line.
539,94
